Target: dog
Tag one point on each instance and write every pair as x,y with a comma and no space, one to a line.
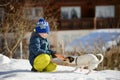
87,60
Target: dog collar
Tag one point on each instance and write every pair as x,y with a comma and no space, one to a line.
76,61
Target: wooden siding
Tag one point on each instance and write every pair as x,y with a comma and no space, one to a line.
87,20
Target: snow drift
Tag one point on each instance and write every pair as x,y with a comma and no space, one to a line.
19,69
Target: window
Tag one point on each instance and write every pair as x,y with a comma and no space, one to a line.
105,11
70,12
33,13
38,12
28,12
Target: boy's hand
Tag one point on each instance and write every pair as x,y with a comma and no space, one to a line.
59,56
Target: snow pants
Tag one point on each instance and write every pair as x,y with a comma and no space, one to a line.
43,63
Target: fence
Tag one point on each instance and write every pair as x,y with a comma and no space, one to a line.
89,23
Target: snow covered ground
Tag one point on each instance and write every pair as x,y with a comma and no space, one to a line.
19,69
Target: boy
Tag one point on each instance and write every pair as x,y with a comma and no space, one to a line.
40,54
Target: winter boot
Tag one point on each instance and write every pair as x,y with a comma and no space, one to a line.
33,69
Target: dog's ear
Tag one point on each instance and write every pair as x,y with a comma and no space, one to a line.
71,59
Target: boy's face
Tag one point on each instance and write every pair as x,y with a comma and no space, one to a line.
43,35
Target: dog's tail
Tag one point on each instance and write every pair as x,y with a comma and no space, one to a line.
101,57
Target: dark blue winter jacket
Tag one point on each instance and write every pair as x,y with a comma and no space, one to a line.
37,46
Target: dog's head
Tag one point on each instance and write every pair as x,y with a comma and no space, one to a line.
69,59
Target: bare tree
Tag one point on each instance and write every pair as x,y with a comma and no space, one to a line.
14,28
15,24
52,14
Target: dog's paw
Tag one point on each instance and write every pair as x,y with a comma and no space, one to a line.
73,71
86,73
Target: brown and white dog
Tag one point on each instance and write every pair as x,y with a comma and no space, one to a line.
87,60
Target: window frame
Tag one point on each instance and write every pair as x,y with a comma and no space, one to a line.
32,12
66,12
105,13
